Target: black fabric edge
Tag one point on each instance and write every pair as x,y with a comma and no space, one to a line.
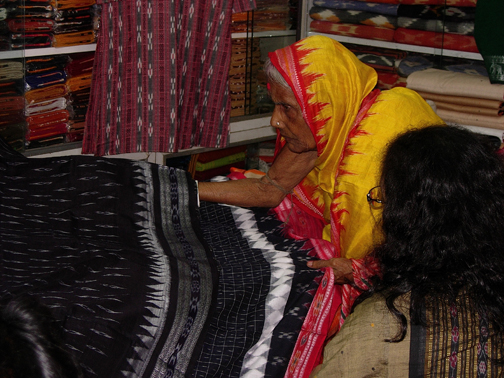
417,349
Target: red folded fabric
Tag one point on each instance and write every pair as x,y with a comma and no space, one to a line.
353,30
387,80
10,117
80,64
446,41
47,119
19,25
12,103
44,132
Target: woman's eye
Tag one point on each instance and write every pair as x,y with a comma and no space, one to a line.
286,107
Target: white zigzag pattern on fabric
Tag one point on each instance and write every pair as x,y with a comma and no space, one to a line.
282,272
159,267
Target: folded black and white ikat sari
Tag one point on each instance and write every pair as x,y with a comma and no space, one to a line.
142,280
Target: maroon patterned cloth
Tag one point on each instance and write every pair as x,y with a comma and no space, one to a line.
160,81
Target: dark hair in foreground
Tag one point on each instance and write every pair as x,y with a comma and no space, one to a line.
443,222
30,345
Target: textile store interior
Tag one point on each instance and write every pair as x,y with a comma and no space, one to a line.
114,114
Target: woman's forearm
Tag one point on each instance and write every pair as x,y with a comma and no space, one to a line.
248,192
286,172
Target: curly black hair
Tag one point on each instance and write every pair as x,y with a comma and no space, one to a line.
443,220
30,342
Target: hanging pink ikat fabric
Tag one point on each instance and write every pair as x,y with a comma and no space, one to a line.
160,79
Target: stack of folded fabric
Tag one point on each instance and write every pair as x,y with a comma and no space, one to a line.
461,98
79,72
46,104
384,61
5,41
74,22
269,15
445,24
243,70
206,165
46,23
418,62
30,24
354,18
425,23
12,124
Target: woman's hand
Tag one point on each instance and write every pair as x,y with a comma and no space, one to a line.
342,268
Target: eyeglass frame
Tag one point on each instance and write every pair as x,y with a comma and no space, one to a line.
370,199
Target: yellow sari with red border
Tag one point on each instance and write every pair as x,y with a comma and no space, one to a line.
352,123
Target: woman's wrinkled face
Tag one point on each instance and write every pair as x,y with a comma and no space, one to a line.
288,119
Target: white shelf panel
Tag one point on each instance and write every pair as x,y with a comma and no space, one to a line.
47,51
402,46
264,34
240,131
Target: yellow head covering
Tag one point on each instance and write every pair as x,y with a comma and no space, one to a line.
352,125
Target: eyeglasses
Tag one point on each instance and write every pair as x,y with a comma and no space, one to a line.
375,198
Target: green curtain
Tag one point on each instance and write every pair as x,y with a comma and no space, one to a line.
489,35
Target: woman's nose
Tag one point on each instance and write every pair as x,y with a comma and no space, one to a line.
275,121
275,124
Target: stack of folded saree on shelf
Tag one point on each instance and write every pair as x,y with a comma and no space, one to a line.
461,98
56,98
269,15
12,122
46,23
46,100
75,22
29,24
447,24
244,66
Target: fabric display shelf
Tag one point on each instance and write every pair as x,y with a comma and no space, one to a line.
12,103
243,70
46,23
430,23
461,98
52,102
447,25
269,15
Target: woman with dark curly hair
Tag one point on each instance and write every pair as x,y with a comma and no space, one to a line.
438,309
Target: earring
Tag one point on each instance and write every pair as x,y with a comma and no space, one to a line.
278,123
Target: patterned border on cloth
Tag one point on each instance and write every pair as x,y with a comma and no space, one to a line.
143,282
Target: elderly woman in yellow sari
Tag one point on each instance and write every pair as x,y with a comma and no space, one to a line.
333,127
